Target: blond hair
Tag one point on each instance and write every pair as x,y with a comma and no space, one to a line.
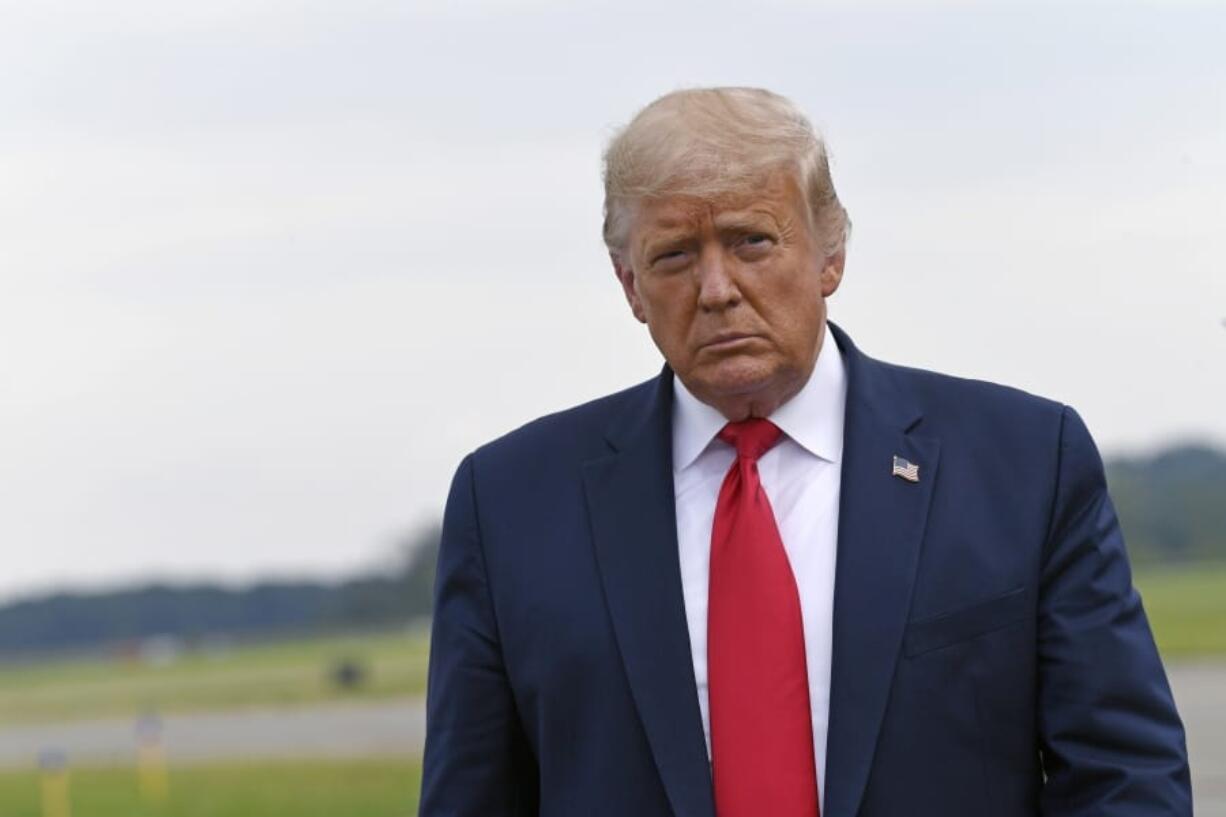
708,142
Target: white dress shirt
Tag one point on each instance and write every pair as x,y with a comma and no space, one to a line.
800,475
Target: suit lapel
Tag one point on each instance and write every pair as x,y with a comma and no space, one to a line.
881,527
634,530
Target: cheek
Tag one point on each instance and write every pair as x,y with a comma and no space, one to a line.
791,299
669,307
665,299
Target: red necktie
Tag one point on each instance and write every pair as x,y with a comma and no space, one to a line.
761,728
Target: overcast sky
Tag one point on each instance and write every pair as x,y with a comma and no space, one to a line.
268,270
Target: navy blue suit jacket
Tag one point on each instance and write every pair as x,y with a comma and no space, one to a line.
990,655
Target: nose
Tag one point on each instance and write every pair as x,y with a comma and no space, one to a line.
716,288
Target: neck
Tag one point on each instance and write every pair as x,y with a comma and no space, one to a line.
759,403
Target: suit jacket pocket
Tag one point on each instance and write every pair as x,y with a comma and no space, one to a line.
934,632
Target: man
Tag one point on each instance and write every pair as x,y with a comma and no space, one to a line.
783,578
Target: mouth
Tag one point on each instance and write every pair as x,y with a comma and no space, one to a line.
727,340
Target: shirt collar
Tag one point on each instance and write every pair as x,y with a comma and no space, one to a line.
813,417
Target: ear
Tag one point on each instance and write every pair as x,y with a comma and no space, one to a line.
625,276
832,273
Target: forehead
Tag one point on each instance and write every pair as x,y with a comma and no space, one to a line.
776,196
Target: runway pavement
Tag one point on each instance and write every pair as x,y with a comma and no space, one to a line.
1200,694
397,728
336,730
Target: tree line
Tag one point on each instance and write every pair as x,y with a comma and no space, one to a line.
1172,506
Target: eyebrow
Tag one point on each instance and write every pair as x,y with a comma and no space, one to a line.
672,221
652,244
667,232
745,221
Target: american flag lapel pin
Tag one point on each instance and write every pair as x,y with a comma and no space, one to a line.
905,470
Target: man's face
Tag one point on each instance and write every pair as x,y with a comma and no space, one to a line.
733,292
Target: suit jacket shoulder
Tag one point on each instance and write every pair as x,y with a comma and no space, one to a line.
958,404
574,434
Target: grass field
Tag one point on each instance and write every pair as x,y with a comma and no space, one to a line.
285,789
285,673
1187,609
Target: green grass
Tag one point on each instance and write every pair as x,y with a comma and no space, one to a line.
361,788
285,673
1186,608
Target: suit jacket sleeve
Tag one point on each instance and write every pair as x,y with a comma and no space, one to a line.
1111,740
477,762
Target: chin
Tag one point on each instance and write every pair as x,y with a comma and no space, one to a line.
735,377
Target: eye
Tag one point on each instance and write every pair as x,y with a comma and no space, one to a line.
754,245
669,259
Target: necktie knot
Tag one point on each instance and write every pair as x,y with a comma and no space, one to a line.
751,438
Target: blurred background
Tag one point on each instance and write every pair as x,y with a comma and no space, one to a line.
268,270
